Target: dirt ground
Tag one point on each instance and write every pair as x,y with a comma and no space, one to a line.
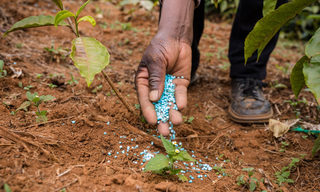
70,151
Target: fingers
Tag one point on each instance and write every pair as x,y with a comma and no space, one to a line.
163,129
181,96
142,87
175,116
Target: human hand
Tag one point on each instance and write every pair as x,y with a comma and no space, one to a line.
164,55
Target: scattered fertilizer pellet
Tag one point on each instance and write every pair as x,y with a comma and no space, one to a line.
108,123
105,133
73,122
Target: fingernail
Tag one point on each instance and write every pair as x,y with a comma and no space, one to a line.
154,95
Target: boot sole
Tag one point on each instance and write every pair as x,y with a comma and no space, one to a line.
238,118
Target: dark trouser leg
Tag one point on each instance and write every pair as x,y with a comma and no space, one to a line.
249,12
198,25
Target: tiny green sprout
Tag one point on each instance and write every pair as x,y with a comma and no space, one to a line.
302,156
143,119
3,72
188,120
38,76
284,145
36,100
119,83
284,174
252,182
219,170
28,87
20,84
72,81
19,45
97,89
161,164
52,85
137,106
208,117
304,136
128,95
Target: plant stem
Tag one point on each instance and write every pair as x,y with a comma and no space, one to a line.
77,30
119,95
71,26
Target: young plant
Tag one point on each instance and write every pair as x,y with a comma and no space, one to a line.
97,89
251,182
161,164
306,71
3,72
28,87
36,100
283,175
284,145
188,120
72,81
56,53
88,54
295,104
52,85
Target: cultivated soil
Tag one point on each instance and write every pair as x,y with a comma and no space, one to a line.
70,151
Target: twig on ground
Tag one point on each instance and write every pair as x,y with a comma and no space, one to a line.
22,140
214,141
67,171
119,95
48,122
76,180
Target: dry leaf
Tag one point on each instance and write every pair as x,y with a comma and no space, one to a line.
278,128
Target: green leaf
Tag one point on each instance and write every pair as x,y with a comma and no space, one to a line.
311,76
34,21
89,19
268,6
285,174
182,177
147,4
313,46
157,163
24,106
215,2
297,77
30,96
289,181
186,157
7,188
316,146
62,15
126,2
175,171
58,3
81,8
269,25
252,186
248,169
44,112
41,118
1,65
89,56
167,145
45,98
256,180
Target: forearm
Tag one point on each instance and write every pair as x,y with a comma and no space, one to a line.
177,19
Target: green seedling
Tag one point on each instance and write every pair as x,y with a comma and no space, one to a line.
285,70
274,86
252,182
52,85
284,174
304,136
137,106
219,170
3,72
295,104
97,89
38,76
19,45
56,53
186,120
72,81
284,145
28,87
208,117
36,100
161,164
20,84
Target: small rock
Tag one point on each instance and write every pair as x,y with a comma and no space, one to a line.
119,179
109,171
163,186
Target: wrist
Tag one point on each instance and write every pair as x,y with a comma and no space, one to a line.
177,19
